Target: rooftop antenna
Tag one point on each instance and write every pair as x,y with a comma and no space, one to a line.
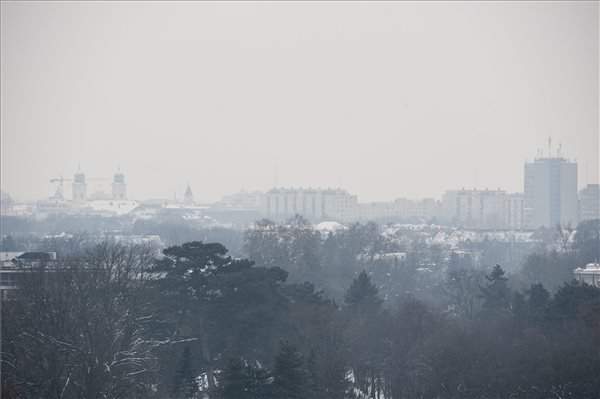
558,150
81,137
549,146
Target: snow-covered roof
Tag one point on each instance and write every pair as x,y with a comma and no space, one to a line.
325,227
590,268
119,207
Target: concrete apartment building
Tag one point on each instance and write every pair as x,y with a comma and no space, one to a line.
515,211
340,206
313,204
550,192
477,209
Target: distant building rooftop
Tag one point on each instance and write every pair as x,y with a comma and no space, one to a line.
277,190
590,274
37,256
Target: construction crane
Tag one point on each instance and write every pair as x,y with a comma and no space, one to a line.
59,193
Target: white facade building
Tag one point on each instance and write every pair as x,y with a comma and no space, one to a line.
590,274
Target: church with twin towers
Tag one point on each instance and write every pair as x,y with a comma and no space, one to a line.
80,187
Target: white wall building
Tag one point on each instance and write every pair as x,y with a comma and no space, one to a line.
590,274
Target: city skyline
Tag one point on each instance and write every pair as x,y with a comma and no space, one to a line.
550,198
57,183
206,94
299,199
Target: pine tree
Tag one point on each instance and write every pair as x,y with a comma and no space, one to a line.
496,294
241,380
537,303
235,381
363,294
290,376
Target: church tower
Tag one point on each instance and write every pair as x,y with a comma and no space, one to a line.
119,187
188,197
79,186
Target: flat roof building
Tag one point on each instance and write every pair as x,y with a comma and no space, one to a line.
589,202
550,192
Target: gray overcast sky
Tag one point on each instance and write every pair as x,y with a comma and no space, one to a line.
385,99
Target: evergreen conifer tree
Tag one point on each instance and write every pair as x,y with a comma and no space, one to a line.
291,380
363,294
496,294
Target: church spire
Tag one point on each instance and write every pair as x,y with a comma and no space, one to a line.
188,197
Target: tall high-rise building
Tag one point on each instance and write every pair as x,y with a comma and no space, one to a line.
119,187
550,192
79,186
589,202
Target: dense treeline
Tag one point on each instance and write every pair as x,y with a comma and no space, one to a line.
61,234
417,265
115,321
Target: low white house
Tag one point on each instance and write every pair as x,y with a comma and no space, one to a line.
590,274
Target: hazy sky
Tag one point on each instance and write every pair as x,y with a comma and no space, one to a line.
385,99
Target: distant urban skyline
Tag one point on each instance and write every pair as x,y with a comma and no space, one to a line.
390,99
106,183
